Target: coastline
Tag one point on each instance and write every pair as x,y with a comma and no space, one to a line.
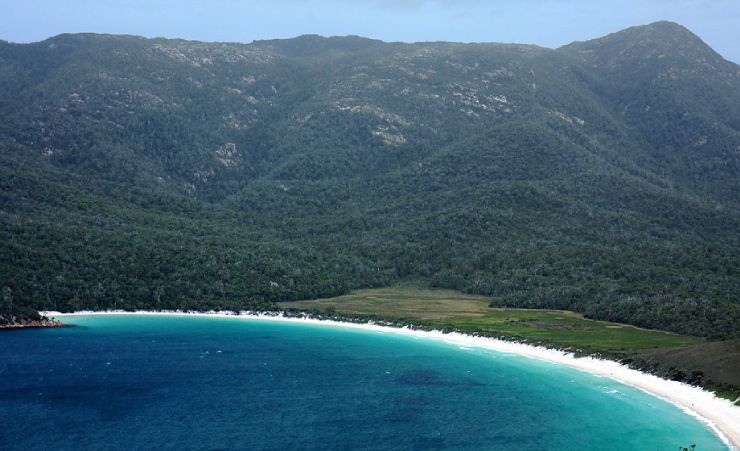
719,414
31,324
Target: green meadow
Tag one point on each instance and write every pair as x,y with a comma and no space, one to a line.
446,309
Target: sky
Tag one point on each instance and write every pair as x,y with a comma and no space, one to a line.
549,23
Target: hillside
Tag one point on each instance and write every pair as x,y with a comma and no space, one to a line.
601,177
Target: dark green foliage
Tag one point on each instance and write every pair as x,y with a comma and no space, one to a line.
13,312
601,177
713,365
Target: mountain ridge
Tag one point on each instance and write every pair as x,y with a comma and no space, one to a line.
191,174
672,29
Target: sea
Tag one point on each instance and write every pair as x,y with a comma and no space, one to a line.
191,382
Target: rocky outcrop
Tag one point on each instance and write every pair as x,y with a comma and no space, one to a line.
19,323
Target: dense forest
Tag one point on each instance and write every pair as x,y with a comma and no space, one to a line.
601,177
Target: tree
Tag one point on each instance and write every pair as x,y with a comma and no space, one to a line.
7,300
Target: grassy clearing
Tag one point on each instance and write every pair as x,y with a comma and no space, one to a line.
451,309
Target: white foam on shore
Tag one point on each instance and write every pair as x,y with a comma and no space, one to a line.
719,414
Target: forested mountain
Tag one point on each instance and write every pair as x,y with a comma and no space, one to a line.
601,177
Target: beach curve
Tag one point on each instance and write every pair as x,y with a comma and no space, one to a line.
719,414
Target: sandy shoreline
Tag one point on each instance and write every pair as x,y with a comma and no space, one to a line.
720,414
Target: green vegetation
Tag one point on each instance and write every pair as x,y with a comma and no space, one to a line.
600,178
14,313
449,310
714,364
688,359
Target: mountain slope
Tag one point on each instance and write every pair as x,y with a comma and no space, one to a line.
167,173
679,95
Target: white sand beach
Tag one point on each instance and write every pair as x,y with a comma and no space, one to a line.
720,414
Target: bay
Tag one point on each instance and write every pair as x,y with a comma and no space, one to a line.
172,382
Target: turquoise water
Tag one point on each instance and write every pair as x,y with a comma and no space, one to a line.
163,382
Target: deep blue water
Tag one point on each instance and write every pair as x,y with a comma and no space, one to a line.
155,382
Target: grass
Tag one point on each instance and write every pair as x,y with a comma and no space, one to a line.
718,361
472,314
713,365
